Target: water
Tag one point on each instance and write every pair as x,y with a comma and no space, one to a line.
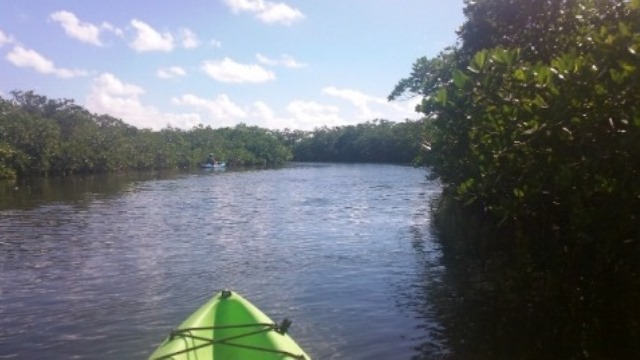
104,267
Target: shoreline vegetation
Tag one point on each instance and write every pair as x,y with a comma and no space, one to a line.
532,126
533,131
49,137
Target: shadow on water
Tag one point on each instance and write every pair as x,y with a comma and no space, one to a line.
29,193
497,299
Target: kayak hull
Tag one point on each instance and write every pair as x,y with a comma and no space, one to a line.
220,165
229,327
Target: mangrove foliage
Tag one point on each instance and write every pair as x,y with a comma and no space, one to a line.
42,136
533,124
535,117
377,141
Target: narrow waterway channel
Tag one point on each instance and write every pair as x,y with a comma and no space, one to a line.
103,267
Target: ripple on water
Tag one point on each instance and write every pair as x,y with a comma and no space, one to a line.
336,248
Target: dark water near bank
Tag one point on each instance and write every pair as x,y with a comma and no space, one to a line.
104,267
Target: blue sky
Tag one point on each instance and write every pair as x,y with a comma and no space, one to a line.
277,64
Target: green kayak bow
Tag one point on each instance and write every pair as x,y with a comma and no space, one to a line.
229,327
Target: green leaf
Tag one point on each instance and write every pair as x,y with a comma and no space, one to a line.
540,102
471,200
603,31
616,76
628,68
624,29
520,75
543,76
518,193
441,97
499,56
460,79
479,60
466,186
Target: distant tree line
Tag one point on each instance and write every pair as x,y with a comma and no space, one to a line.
41,136
377,141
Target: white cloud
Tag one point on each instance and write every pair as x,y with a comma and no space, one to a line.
228,70
107,83
262,110
28,58
267,11
308,115
110,95
279,13
171,72
82,31
245,5
148,39
5,39
290,62
262,115
115,30
358,99
406,109
300,115
215,43
371,107
285,60
265,60
223,111
189,39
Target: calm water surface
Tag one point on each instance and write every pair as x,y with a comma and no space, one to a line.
103,268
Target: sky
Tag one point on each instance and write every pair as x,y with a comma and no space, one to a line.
276,64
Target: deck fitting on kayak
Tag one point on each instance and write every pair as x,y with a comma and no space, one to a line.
283,327
226,293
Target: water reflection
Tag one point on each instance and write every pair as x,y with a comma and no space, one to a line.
31,192
502,302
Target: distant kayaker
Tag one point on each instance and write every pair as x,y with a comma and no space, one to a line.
211,160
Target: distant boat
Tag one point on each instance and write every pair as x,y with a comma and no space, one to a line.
218,165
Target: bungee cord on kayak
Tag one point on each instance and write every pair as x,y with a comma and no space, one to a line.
229,327
186,334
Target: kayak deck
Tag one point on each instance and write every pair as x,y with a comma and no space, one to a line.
229,327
